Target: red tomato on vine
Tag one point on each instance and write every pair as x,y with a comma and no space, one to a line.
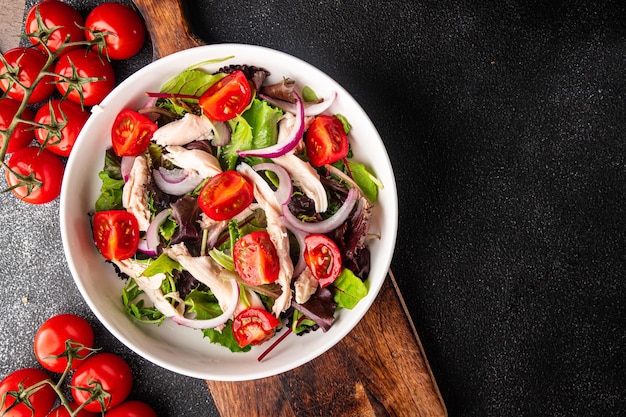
42,400
23,134
26,65
54,14
46,168
51,341
122,28
107,370
89,77
69,119
131,409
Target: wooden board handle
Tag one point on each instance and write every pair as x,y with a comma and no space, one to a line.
378,369
168,27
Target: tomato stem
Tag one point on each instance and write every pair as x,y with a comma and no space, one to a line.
12,75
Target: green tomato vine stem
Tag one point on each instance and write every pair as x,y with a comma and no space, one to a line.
12,75
96,391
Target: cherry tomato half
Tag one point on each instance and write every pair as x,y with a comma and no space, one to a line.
45,166
131,409
111,372
326,140
227,98
253,326
51,338
80,63
256,259
116,234
131,133
225,195
41,401
30,62
69,120
55,13
323,258
61,411
23,134
124,27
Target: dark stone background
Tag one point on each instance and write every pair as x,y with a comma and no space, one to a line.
505,123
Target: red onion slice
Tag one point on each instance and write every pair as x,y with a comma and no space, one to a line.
309,109
126,165
289,143
327,225
151,242
176,181
150,104
284,190
217,321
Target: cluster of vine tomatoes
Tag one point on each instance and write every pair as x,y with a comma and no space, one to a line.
100,381
60,77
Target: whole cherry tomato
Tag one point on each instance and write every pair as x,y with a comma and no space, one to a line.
54,14
131,409
225,195
46,168
131,133
41,400
69,120
122,28
109,371
326,140
227,98
26,64
253,326
256,259
51,341
61,411
323,258
82,64
23,134
116,234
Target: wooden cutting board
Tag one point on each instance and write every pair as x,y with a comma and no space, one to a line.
378,369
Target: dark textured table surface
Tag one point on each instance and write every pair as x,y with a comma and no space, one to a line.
506,126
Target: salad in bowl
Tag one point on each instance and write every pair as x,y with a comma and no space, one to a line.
229,212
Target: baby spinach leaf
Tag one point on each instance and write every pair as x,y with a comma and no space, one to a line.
348,289
163,264
366,181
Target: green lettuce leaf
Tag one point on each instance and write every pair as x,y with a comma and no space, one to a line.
163,264
205,306
241,138
256,128
263,120
368,183
348,289
112,184
225,338
192,82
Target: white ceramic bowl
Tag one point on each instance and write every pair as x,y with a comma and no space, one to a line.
178,348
